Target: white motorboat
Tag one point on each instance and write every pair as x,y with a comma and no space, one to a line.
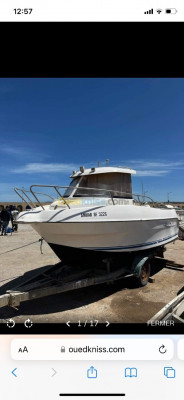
98,217
180,214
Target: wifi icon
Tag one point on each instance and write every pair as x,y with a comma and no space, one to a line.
159,11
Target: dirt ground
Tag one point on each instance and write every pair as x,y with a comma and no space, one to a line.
120,302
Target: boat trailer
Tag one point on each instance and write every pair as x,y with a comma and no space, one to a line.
173,311
60,278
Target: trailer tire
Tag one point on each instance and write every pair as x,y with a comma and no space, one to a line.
144,275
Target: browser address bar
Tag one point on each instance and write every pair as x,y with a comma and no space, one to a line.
92,349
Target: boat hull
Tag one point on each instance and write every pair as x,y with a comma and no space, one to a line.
82,257
78,240
103,230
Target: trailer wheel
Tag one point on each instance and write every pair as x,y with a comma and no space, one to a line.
144,274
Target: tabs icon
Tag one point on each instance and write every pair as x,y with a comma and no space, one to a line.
169,372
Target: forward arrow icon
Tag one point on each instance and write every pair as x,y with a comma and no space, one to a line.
55,372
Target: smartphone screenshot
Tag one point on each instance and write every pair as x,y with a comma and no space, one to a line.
91,238
92,11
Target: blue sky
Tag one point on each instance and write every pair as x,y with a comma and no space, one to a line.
48,127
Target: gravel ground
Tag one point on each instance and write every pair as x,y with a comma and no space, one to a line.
117,303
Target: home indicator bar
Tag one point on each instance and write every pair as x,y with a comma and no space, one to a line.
92,394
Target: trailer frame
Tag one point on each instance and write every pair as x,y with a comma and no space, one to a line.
60,278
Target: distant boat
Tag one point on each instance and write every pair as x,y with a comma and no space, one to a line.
180,213
98,217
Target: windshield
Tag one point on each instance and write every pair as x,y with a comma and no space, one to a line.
119,184
71,187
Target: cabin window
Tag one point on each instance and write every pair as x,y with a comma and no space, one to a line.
118,183
70,189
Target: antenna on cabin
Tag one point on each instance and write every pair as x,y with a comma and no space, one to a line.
107,161
98,163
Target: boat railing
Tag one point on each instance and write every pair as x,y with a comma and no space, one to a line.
145,199
138,198
23,194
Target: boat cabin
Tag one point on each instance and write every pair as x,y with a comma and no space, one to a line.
102,182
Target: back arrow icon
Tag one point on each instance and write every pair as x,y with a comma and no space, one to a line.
10,323
13,372
68,323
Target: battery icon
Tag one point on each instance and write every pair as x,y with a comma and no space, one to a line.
170,11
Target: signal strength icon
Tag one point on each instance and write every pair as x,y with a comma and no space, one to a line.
149,11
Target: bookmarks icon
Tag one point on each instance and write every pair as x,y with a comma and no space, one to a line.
131,372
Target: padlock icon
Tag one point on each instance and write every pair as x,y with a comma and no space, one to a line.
62,349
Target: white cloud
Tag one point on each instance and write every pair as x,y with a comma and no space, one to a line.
142,167
152,173
23,152
154,168
13,150
44,168
147,164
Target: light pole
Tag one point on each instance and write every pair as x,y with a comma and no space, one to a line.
168,195
146,191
